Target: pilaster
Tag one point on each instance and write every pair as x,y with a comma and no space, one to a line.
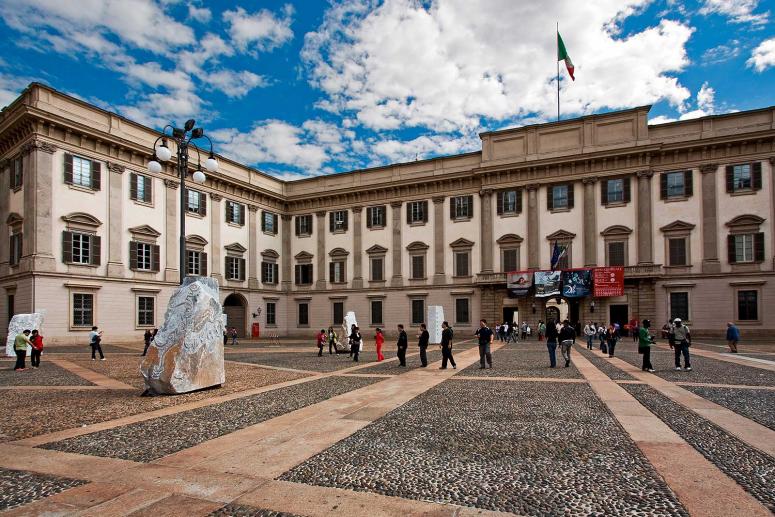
357,248
590,222
252,247
710,259
5,201
486,230
320,228
171,273
645,232
285,257
115,219
38,191
395,210
439,276
216,250
533,240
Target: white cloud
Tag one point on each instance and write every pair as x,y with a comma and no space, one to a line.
261,31
721,53
763,56
396,151
233,84
706,103
661,119
738,11
450,65
200,14
11,86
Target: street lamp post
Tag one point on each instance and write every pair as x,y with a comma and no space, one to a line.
183,140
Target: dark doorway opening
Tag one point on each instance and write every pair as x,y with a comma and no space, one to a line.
619,314
574,311
552,314
509,314
234,308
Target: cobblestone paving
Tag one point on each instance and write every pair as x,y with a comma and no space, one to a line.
48,374
751,468
152,439
303,361
18,487
237,510
519,447
704,369
525,359
599,360
85,349
758,405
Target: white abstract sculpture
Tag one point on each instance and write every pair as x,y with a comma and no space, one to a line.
19,323
347,325
435,317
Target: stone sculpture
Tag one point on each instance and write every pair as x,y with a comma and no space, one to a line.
347,325
187,353
20,323
435,317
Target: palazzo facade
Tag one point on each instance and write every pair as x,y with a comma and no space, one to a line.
92,237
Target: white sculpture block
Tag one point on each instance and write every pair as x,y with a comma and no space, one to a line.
347,325
435,318
19,323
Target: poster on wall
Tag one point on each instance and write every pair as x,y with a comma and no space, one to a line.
608,281
576,283
519,282
547,283
435,317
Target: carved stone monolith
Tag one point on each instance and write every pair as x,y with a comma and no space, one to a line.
19,323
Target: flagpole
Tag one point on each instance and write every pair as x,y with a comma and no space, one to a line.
557,45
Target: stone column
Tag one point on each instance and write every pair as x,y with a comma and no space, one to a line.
533,240
486,230
171,237
772,195
5,200
710,260
252,247
285,255
357,251
645,233
321,229
115,219
439,277
590,222
38,188
216,255
397,280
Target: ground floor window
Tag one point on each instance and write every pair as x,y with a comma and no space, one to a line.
83,310
418,311
303,314
462,312
338,313
271,313
748,305
679,306
145,312
376,312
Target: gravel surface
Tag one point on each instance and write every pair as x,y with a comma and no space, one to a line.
758,405
601,362
751,468
48,374
704,369
18,487
152,439
526,359
237,510
522,448
303,360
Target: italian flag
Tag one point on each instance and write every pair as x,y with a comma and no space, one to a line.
562,55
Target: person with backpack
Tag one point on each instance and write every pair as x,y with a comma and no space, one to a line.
37,348
379,340
611,337
95,338
733,336
551,343
403,344
321,341
601,335
446,346
682,341
645,341
567,338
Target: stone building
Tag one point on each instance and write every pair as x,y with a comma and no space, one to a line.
686,207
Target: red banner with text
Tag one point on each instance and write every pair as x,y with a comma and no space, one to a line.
608,281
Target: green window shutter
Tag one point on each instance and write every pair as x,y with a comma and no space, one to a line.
203,269
202,206
148,193
69,169
409,213
242,215
627,190
604,192
730,178
758,247
275,225
731,249
452,202
519,200
331,223
570,195
132,255
550,197
67,247
499,202
368,216
96,251
133,186
425,211
470,206
242,269
96,175
155,258
663,186
331,272
263,220
346,220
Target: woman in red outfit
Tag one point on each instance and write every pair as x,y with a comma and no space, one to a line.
380,339
37,348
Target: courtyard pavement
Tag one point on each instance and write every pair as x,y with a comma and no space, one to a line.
293,434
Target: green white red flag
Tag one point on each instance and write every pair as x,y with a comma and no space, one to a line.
562,55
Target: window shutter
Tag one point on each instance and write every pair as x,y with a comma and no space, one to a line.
155,258
688,183
96,245
756,175
275,224
368,216
409,213
203,262
297,272
604,192
570,195
242,215
133,186
67,247
263,220
731,249
69,169
550,198
452,203
499,203
425,211
627,190
331,222
227,211
758,247
202,206
519,200
298,225
470,206
96,180
730,178
242,269
12,258
331,272
132,255
309,220
148,192
276,271
663,186
346,220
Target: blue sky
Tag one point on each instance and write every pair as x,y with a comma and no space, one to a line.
312,87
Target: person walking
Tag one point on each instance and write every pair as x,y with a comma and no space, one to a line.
645,341
147,341
234,336
37,348
446,346
611,337
225,336
541,330
95,338
589,331
683,340
349,339
379,340
403,344
355,343
733,336
424,337
601,335
567,338
485,336
332,337
321,341
20,343
551,343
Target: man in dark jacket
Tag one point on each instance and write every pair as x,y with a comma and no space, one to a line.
423,344
567,338
403,344
446,347
485,336
551,342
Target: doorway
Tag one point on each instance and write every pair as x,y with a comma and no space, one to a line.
618,314
509,314
234,307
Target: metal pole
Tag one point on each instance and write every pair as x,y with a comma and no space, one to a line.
182,169
557,58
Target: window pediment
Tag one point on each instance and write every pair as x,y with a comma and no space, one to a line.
235,247
271,254
417,246
677,226
338,253
616,230
196,240
376,250
561,235
144,231
510,238
745,220
461,243
14,219
303,255
81,219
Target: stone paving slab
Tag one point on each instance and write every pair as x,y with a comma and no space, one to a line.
751,468
86,350
238,510
525,359
49,374
515,448
303,361
152,439
601,363
18,488
758,405
412,361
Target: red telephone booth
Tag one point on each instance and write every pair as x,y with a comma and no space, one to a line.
255,330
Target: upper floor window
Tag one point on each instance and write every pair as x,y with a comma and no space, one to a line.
615,191
337,221
336,273
509,202
375,216
462,261
617,253
15,248
303,274
677,254
418,267
269,222
235,213
82,172
417,212
80,248
676,185
744,177
235,268
17,172
303,225
510,260
461,207
559,197
747,247
196,263
269,272
196,202
140,188
143,256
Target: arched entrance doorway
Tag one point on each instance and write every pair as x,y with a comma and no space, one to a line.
235,308
557,310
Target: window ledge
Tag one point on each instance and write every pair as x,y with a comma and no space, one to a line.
194,214
741,267
338,232
143,203
462,219
17,188
675,199
303,235
618,204
746,192
374,227
559,210
81,188
271,234
338,283
376,282
78,265
509,214
418,223
235,225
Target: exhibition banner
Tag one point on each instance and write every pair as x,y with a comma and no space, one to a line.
547,283
519,282
576,283
608,281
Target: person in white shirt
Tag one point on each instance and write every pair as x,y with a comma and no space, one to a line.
590,331
95,337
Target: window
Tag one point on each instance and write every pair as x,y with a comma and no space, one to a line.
235,268
235,213
617,253
615,190
377,269
741,177
461,311
145,312
509,202
144,256
677,252
303,225
81,248
418,267
15,248
269,272
303,274
336,272
748,305
509,260
461,263
81,171
675,184
337,221
679,306
417,212
269,222
375,217
271,313
140,188
746,247
744,177
418,311
17,172
83,310
560,197
196,203
303,314
461,207
376,312
196,263
338,310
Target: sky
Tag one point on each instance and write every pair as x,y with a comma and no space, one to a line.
310,87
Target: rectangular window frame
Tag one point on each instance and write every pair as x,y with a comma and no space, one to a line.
302,314
15,249
145,316
676,240
461,260
504,263
609,256
744,248
615,191
467,312
337,306
560,197
676,185
269,272
271,314
414,311
417,212
81,249
684,314
509,202
302,271
381,269
83,172
413,266
743,316
463,207
374,302
193,263
742,177
80,309
376,217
